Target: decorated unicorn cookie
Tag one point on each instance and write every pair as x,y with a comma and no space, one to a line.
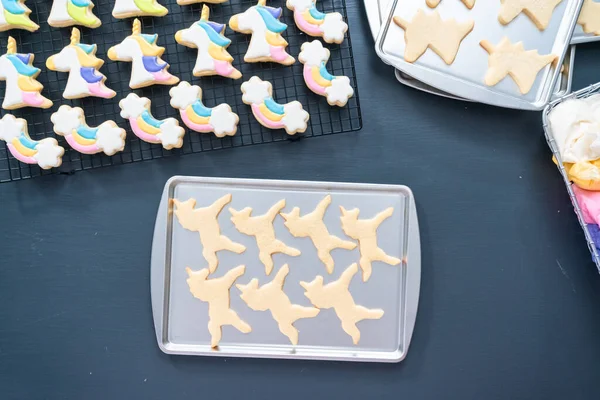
336,89
22,89
208,38
14,14
266,43
46,152
313,22
80,61
138,8
196,116
70,123
141,50
259,95
166,132
188,2
73,12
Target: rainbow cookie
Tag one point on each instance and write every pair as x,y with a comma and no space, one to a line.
14,14
263,23
259,95
138,8
331,26
336,89
80,61
70,123
147,66
73,12
166,132
46,152
208,38
22,89
196,116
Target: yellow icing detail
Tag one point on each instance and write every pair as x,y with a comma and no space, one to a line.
27,84
195,118
309,18
81,140
146,48
316,75
26,151
585,174
275,39
87,60
269,114
219,53
146,127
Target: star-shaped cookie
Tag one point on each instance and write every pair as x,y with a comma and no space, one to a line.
512,59
539,11
589,17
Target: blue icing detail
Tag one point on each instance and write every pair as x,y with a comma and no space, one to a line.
216,26
13,6
273,106
149,38
275,12
151,63
316,14
25,58
201,109
324,73
272,23
150,120
214,37
25,141
87,48
21,67
81,3
87,132
89,74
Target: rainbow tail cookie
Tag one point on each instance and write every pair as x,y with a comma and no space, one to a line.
336,89
166,132
14,14
259,95
196,116
46,152
331,26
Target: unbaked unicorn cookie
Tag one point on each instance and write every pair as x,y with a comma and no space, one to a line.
259,95
589,17
138,8
434,3
45,152
539,11
336,89
14,14
166,132
22,89
80,61
196,116
73,12
266,43
106,138
215,292
336,295
330,26
144,54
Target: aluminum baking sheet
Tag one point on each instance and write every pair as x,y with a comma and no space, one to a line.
579,36
583,93
181,320
464,78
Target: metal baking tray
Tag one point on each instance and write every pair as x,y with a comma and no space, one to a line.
464,78
583,93
181,320
580,37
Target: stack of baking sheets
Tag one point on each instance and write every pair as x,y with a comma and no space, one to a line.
463,79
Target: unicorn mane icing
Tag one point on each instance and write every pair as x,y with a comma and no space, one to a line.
330,26
66,13
138,8
14,14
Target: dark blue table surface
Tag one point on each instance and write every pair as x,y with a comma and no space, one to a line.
510,300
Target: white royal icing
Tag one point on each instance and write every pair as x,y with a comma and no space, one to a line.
313,53
125,7
340,91
13,94
66,119
196,35
256,90
295,117
59,13
110,138
184,95
223,120
133,106
299,5
2,19
49,153
129,50
333,28
11,127
250,20
171,134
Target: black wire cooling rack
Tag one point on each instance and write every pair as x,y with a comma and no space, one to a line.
288,84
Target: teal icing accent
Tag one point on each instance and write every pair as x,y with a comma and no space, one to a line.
316,14
273,106
25,141
88,48
149,38
13,7
22,68
273,24
150,120
81,3
86,132
324,73
201,109
214,37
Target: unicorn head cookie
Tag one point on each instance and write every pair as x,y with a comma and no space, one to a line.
73,12
144,54
80,61
266,43
14,14
138,8
331,26
22,89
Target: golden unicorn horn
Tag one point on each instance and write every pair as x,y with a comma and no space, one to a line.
11,47
205,13
137,27
75,36
262,2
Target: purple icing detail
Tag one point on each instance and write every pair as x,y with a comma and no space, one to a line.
275,12
151,64
24,58
89,74
216,26
594,231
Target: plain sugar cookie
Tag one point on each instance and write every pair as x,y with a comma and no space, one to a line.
430,31
311,225
365,231
539,11
271,296
512,59
14,14
216,293
589,17
336,295
261,227
434,3
204,220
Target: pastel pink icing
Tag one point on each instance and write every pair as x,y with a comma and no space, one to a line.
19,156
310,82
264,120
194,126
32,98
89,149
223,68
305,26
278,53
146,137
162,75
589,203
99,90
